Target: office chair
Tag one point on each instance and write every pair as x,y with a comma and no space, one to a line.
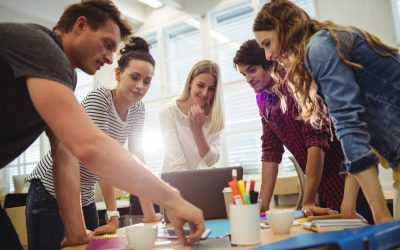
15,200
302,181
14,204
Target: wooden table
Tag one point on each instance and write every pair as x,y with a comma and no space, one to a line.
266,235
388,191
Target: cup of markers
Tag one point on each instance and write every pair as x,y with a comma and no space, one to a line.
244,214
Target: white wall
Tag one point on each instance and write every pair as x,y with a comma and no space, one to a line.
372,15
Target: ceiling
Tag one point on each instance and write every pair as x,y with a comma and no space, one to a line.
47,12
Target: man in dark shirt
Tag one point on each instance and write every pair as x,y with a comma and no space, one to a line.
37,79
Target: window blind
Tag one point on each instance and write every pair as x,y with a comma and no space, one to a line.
183,51
227,29
234,25
154,91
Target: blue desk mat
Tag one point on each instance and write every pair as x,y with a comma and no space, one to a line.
380,236
219,228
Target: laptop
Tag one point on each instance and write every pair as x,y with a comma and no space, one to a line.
203,188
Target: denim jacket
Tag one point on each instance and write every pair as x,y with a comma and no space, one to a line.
364,103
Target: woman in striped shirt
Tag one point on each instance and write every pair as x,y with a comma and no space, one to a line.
118,112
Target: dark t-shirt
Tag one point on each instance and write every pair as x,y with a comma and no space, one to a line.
26,50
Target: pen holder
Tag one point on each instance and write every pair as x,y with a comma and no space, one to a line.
245,224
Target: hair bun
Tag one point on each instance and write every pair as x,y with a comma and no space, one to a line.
135,44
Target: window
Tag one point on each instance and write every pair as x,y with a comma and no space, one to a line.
183,49
152,140
230,28
243,128
24,164
183,44
396,18
242,143
154,91
28,160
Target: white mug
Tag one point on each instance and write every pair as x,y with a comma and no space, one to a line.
141,236
280,221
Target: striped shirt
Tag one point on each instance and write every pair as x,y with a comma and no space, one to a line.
99,106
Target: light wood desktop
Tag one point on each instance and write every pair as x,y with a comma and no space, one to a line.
388,191
266,235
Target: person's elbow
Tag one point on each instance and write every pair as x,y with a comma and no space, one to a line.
89,151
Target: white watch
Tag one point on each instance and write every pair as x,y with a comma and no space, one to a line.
110,214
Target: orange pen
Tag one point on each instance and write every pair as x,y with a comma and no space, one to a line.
236,197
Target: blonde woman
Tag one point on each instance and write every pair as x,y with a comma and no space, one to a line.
191,125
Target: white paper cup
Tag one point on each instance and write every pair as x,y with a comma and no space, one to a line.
228,199
280,221
141,237
245,224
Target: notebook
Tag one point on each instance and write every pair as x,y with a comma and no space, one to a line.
203,188
333,225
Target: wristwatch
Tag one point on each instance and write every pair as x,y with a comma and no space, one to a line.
110,214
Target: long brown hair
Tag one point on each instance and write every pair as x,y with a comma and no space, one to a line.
294,28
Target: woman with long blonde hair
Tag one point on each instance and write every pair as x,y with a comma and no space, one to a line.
191,125
359,79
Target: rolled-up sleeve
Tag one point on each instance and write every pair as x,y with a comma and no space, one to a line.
341,93
271,146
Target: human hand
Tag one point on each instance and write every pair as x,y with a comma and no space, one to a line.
108,228
312,210
196,117
182,212
77,240
154,218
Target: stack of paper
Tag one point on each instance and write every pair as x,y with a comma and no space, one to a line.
333,224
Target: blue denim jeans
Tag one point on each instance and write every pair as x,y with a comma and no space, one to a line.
43,221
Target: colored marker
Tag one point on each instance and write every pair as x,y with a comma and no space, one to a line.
236,197
242,190
234,175
253,194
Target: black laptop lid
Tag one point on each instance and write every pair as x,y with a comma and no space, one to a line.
203,188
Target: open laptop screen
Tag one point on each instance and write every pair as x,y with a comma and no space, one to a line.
203,188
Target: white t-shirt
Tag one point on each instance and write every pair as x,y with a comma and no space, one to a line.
99,105
180,150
